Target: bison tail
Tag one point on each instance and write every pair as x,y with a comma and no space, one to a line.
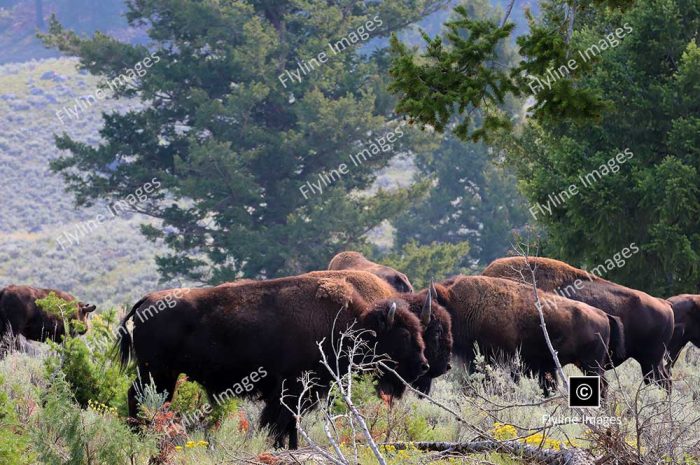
616,347
124,337
4,322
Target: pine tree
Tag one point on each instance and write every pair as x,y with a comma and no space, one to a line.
231,137
651,81
473,197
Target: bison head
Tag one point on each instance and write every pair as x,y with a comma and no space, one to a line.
686,314
437,335
398,335
396,279
84,311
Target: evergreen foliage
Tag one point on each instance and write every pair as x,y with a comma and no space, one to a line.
232,144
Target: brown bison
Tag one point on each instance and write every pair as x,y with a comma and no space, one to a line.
686,313
647,321
357,261
20,315
437,329
500,316
219,336
437,334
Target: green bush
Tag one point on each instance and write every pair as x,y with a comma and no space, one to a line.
56,306
421,263
189,399
14,443
90,367
67,435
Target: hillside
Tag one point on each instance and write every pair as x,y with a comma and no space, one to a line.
112,265
19,23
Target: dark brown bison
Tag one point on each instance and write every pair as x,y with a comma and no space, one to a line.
357,261
500,316
647,321
219,336
686,313
20,314
437,332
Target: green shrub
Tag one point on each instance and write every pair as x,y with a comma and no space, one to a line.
188,398
364,392
90,367
14,443
54,305
67,435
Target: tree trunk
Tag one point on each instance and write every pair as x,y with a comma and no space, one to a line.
39,11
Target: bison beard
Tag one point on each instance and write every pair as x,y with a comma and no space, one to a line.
437,332
219,335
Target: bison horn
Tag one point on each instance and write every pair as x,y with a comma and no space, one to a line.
433,291
427,309
391,314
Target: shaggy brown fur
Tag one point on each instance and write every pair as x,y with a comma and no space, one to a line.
437,334
647,321
500,316
19,313
236,283
686,314
218,336
437,331
368,285
357,261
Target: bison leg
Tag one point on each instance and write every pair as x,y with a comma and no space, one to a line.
655,371
548,380
133,404
595,362
280,423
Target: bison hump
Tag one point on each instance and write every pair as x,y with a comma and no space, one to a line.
336,290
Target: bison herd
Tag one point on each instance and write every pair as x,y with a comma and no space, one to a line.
220,335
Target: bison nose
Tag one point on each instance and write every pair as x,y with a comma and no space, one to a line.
425,367
449,366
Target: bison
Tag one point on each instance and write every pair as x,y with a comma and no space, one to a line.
647,321
20,315
686,314
219,336
437,328
357,261
501,318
